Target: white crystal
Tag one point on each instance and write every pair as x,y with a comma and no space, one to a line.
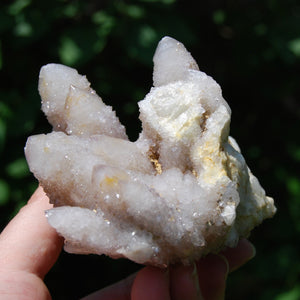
180,191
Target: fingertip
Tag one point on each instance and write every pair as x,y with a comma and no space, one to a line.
151,283
40,195
184,282
28,242
241,254
212,272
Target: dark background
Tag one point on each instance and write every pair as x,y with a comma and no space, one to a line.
251,48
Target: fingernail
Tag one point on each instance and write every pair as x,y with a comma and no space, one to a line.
253,250
185,283
195,280
248,252
212,271
226,264
221,291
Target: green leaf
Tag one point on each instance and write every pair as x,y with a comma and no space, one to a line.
135,11
218,17
147,36
293,294
294,46
2,134
293,185
105,21
5,111
69,51
15,8
18,168
71,10
4,192
23,29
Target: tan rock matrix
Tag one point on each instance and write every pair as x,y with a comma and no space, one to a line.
180,191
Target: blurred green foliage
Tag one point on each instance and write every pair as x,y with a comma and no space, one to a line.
252,48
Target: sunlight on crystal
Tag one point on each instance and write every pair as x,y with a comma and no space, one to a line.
180,191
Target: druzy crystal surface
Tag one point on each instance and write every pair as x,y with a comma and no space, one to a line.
180,191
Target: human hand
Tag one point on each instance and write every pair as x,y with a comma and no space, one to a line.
29,247
205,280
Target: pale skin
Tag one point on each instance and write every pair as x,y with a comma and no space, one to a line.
29,247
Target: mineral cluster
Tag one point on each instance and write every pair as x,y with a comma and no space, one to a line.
180,191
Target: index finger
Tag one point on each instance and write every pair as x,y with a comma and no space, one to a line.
29,243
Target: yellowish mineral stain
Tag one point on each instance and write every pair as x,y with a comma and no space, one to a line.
212,160
153,156
109,181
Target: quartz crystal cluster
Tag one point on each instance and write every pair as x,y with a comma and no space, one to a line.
180,191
